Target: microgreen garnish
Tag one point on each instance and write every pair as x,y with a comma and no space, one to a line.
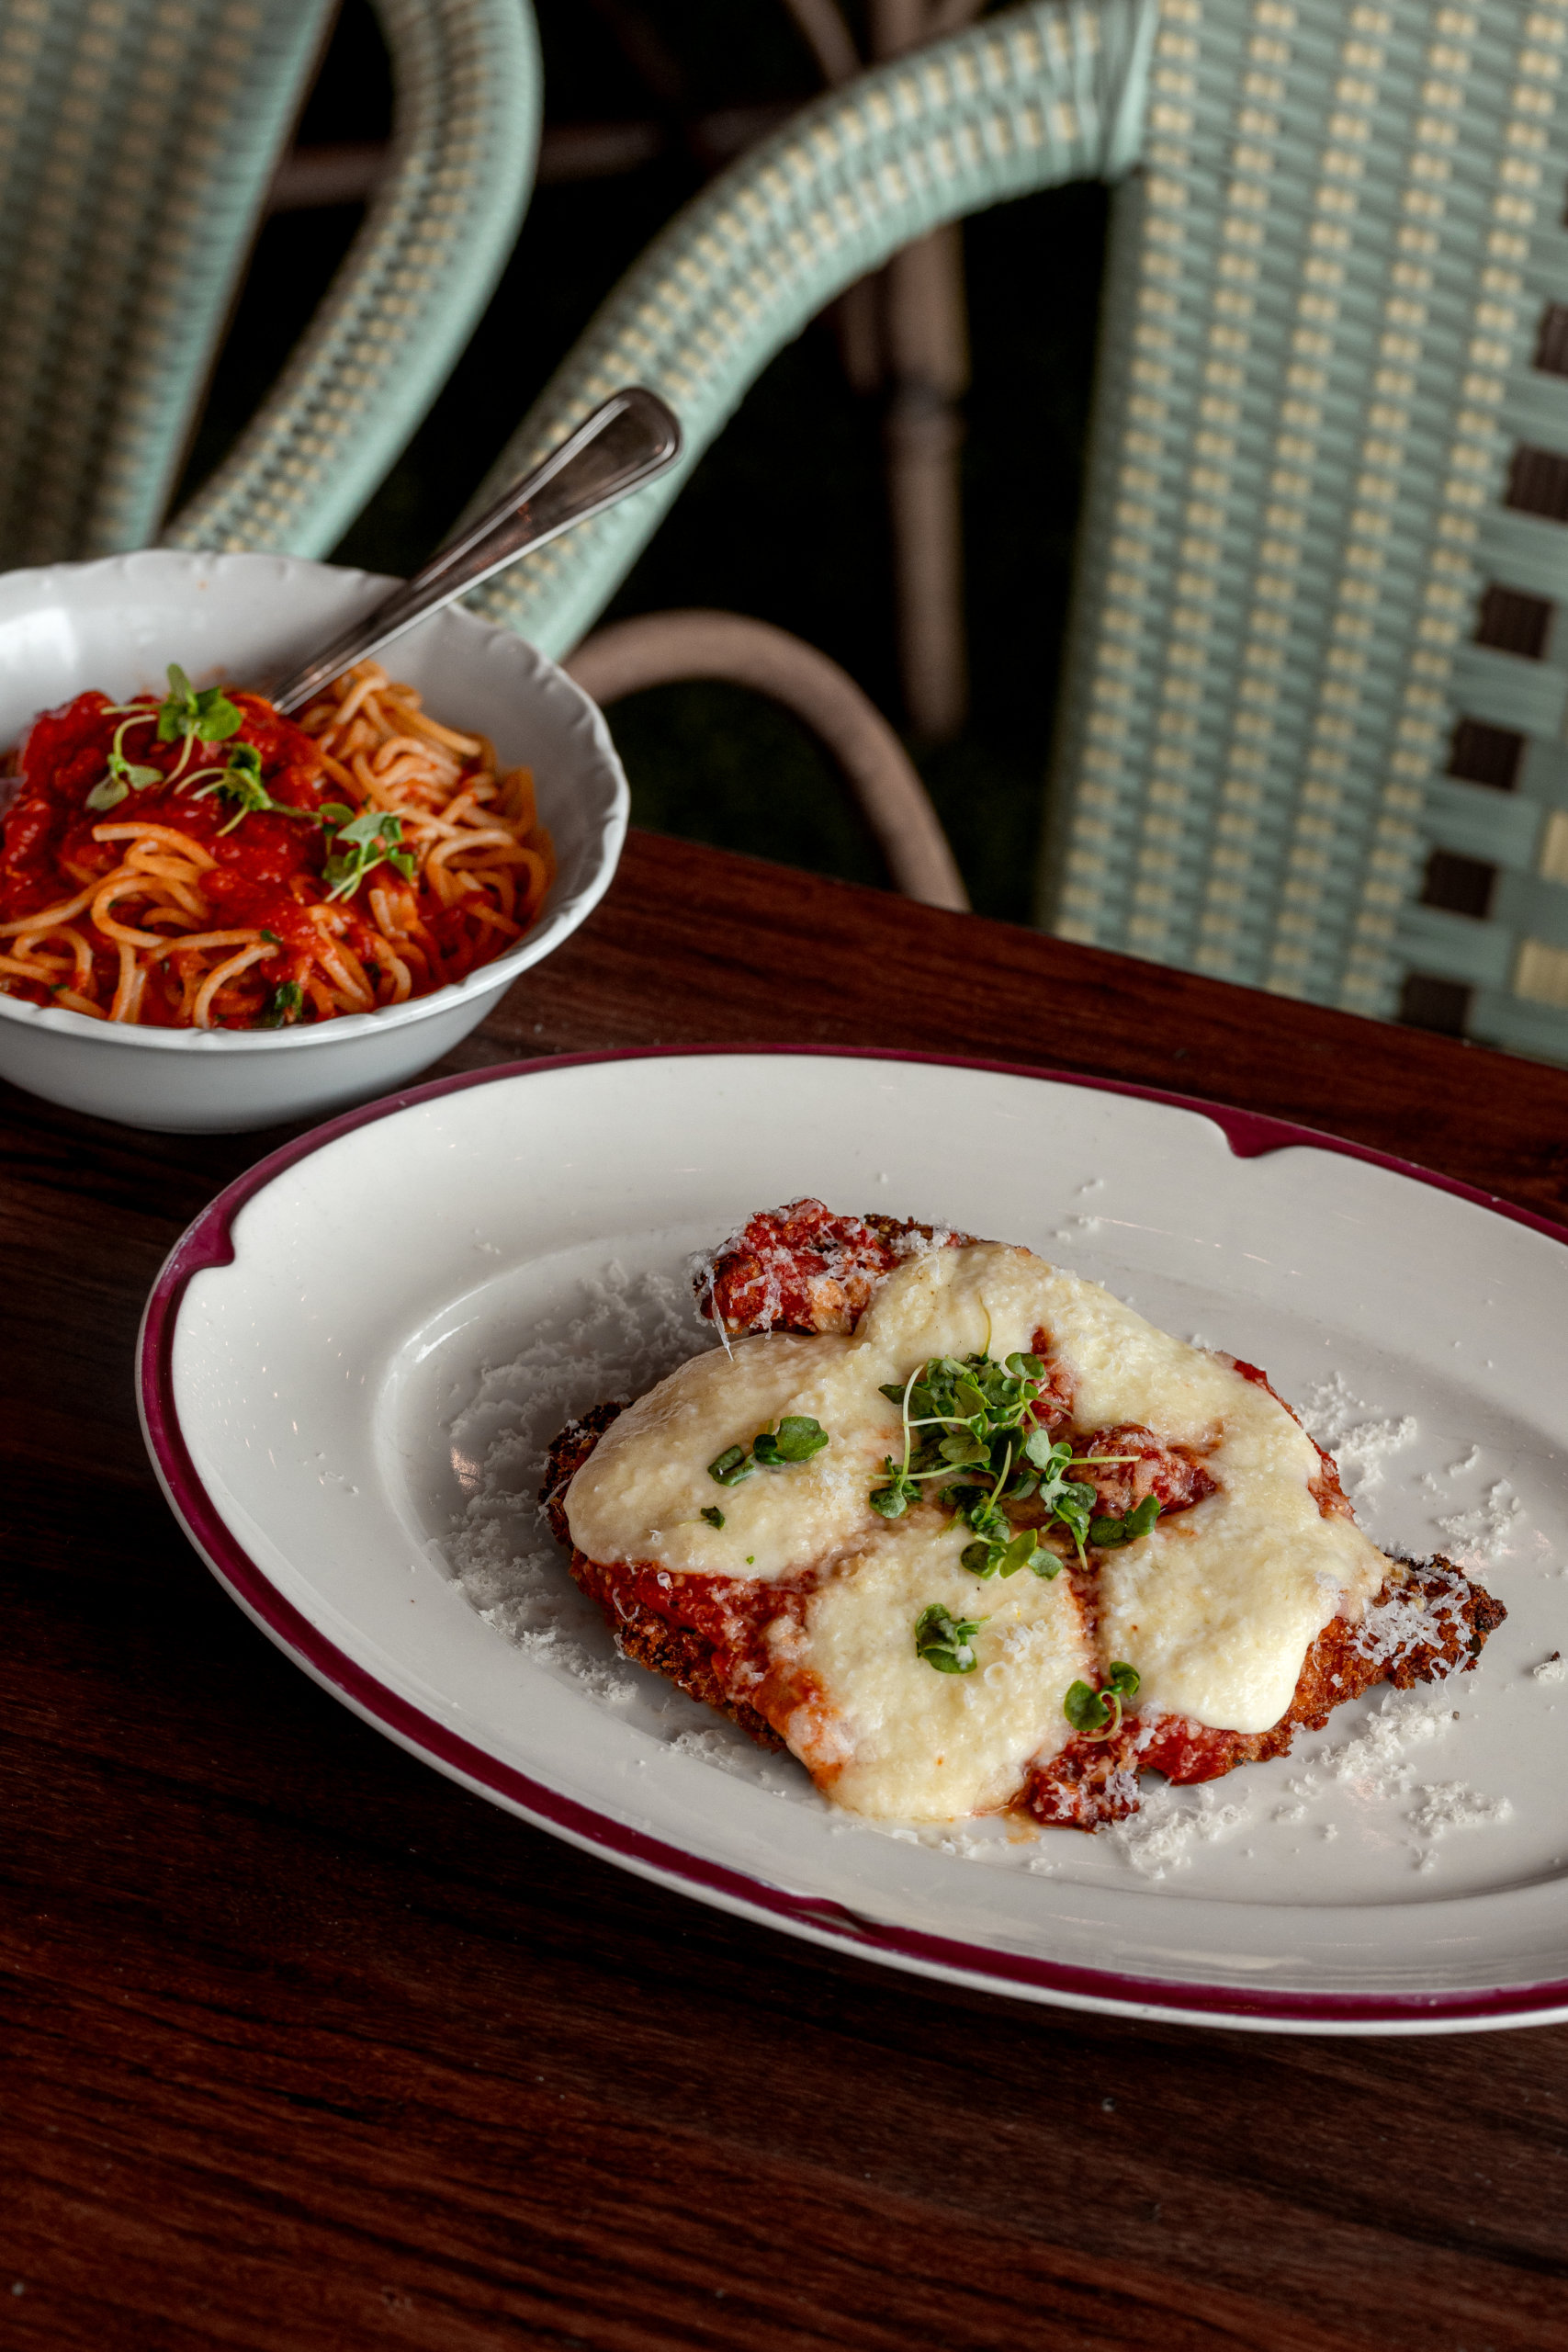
713,1515
894,1499
239,780
945,1641
184,717
282,1006
1097,1714
1068,1500
361,843
1002,1553
975,1411
979,1448
1138,1522
122,776
795,1438
206,718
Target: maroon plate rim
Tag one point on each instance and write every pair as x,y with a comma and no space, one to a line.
208,1241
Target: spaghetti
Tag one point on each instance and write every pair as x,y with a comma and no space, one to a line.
202,861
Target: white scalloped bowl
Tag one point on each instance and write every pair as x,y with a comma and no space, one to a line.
116,624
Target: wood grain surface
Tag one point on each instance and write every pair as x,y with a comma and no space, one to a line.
303,2047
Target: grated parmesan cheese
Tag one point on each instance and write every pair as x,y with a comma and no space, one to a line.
1156,1839
1394,1628
1347,1426
1481,1535
621,1334
1451,1804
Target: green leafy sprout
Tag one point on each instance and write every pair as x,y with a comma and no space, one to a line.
239,780
188,718
794,1439
1097,1714
945,1641
360,844
184,717
979,1448
283,1007
1138,1522
123,776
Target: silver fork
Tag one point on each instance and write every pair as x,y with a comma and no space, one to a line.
627,442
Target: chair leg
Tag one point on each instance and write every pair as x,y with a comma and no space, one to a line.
661,649
926,342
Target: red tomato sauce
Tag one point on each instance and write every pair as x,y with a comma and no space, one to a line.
733,1613
265,865
798,1269
1186,1751
1093,1781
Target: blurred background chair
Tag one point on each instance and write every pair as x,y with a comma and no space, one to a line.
144,142
903,340
657,649
139,141
847,186
1309,731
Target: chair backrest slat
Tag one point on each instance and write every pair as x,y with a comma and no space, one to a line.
468,88
1330,455
1039,95
137,138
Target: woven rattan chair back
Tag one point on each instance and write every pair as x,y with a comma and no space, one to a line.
136,141
1313,681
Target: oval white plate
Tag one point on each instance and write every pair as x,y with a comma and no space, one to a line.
350,1359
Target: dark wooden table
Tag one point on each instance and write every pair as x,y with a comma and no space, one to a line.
304,2047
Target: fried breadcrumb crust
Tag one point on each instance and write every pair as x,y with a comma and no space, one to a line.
803,1269
682,1654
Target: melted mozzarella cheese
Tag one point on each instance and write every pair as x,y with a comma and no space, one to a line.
1219,1606
1217,1609
886,1734
641,1493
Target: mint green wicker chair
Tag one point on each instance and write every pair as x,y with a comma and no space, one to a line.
137,140
1314,638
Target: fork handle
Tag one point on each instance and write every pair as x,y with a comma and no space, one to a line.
628,441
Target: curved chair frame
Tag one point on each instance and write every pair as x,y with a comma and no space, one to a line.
1312,722
468,96
1043,94
659,649
136,144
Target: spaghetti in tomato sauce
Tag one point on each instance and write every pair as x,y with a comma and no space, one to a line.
202,861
